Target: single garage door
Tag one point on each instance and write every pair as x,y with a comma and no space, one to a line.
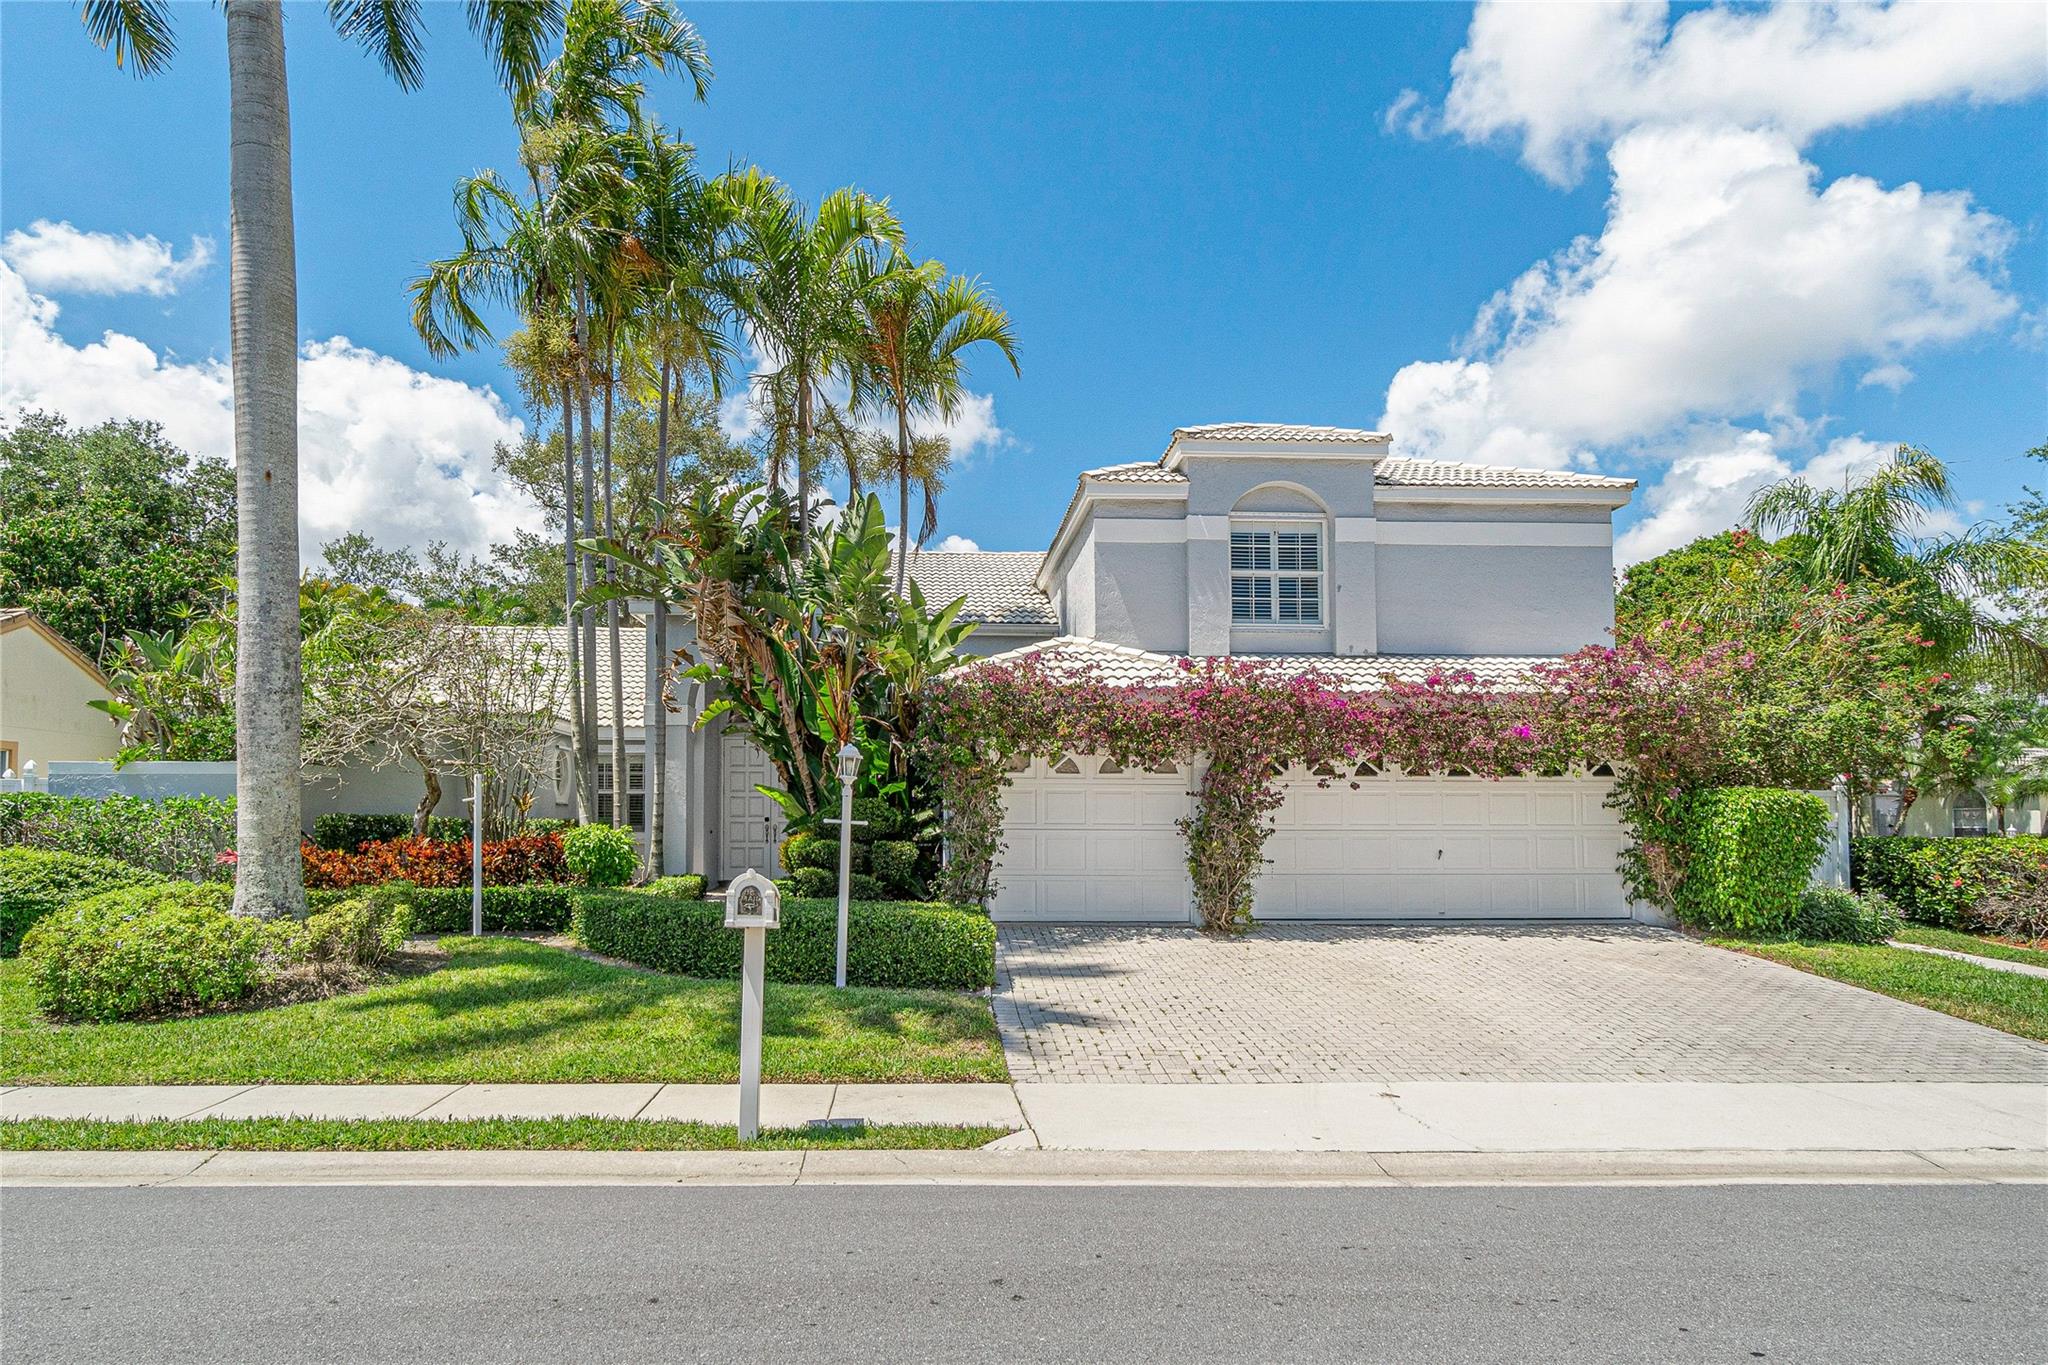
1087,841
1427,848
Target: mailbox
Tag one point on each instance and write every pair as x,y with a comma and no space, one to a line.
752,902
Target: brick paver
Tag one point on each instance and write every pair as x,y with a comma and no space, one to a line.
1345,1003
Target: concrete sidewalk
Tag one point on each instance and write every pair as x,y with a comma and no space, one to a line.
1409,1116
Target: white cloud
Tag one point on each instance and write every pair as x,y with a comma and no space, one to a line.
953,545
1564,78
1890,375
59,258
1724,284
972,428
383,448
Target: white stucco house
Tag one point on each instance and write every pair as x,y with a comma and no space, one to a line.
1309,546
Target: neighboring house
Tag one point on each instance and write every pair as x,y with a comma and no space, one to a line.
1309,546
1971,814
45,683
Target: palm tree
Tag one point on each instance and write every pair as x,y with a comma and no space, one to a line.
916,325
263,309
798,292
1866,527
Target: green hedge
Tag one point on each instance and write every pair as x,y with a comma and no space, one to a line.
35,882
144,951
1830,914
181,836
1750,854
1950,881
685,886
533,907
348,831
888,943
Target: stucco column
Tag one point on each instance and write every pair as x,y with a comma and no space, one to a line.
1208,585
1354,575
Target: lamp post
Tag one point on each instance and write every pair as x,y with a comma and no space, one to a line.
849,768
476,854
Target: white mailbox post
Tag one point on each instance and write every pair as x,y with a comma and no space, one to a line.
753,906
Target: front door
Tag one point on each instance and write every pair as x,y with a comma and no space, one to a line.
751,827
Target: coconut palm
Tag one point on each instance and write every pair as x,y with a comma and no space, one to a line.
916,325
1866,527
797,290
264,344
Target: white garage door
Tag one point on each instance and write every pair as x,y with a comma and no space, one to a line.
1087,841
750,825
1430,848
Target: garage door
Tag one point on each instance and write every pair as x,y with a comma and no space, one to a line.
1443,848
1087,841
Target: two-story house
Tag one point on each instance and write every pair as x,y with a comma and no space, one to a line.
1311,547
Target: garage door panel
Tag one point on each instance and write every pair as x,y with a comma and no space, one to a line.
1093,846
1064,805
1429,848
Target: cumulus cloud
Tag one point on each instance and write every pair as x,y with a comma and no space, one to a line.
953,545
59,258
1561,79
383,448
1725,282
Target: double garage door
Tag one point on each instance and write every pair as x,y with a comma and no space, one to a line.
1088,845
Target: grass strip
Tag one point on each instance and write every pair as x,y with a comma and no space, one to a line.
2007,1001
1956,941
499,1009
451,1135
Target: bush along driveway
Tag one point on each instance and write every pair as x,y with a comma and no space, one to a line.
510,1010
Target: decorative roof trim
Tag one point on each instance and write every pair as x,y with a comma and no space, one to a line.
1091,489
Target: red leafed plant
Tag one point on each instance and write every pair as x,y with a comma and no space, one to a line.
436,862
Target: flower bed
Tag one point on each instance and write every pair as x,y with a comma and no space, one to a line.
437,862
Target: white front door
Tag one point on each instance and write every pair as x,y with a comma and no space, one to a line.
750,826
1454,848
1087,841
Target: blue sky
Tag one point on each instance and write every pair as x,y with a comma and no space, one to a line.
1194,214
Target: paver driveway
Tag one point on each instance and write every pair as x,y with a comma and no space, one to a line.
1358,1003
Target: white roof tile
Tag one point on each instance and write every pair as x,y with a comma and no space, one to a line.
1454,474
998,584
632,665
1123,666
1276,431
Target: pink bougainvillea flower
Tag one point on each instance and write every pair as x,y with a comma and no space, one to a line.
225,858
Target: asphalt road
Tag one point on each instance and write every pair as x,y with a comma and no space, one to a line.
1729,1273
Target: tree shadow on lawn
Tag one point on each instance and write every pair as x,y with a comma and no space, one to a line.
537,995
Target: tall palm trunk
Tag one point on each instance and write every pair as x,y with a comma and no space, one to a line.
579,786
803,462
657,742
586,738
902,495
264,320
620,813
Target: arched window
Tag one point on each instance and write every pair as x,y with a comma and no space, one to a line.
1967,816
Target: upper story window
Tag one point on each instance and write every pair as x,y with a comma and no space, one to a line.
1276,575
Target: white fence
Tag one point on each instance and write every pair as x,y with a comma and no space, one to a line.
1833,867
393,789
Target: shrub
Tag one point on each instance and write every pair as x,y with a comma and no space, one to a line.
347,832
536,907
880,819
894,863
182,836
547,826
815,851
812,883
435,862
1751,851
601,855
34,882
687,886
889,943
360,932
145,951
1955,882
1830,914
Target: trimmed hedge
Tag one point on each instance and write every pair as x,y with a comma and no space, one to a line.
348,831
600,855
537,907
181,836
1750,855
1829,914
1953,882
685,886
436,862
35,882
889,943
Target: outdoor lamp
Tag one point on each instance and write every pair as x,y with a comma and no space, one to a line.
849,762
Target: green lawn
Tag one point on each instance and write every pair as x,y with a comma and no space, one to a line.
1956,941
443,1135
508,1010
2004,1000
